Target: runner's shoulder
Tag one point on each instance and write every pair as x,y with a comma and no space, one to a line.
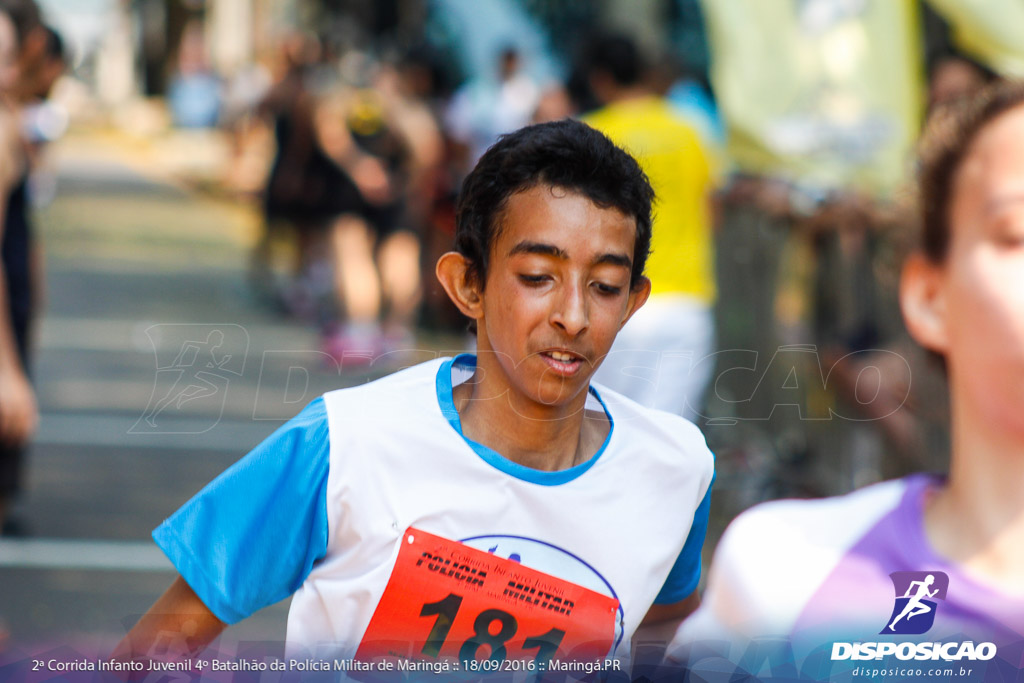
797,527
395,386
396,404
662,434
773,557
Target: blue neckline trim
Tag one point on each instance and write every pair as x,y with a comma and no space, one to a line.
492,457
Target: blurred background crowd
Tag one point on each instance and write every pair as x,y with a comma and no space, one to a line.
317,147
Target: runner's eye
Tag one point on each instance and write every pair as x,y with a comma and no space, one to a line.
608,290
533,280
1011,237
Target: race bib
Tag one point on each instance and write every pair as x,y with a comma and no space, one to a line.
447,601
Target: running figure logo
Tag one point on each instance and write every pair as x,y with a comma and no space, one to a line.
916,596
195,365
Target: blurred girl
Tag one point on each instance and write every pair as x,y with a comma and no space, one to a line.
835,569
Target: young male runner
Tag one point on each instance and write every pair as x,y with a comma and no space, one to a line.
488,507
813,572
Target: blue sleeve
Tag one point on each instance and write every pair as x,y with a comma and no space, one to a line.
250,538
685,573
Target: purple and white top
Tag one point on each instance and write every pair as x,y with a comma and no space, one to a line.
820,570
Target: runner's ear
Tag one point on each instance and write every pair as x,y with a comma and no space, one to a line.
464,292
923,301
638,295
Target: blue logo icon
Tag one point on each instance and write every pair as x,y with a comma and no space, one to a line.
917,596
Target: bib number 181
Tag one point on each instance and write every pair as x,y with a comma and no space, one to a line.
447,601
447,609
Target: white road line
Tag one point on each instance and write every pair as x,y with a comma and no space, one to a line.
133,556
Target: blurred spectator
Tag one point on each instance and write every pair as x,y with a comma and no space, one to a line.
691,98
555,103
409,93
423,85
42,121
195,92
52,64
249,138
355,174
18,410
295,189
244,91
405,92
365,132
655,357
32,39
690,95
484,108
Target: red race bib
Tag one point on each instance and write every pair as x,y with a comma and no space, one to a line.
445,600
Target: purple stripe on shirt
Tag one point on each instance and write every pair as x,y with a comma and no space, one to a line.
857,597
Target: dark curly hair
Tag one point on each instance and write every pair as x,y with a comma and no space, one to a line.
567,154
945,144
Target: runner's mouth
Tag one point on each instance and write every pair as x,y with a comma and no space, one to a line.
564,363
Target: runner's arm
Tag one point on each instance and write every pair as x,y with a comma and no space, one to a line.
19,413
662,621
659,625
177,617
247,540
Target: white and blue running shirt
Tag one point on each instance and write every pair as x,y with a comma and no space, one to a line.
320,507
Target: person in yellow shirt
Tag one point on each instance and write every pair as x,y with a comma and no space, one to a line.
656,358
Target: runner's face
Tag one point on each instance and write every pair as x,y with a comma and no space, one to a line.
983,277
557,293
